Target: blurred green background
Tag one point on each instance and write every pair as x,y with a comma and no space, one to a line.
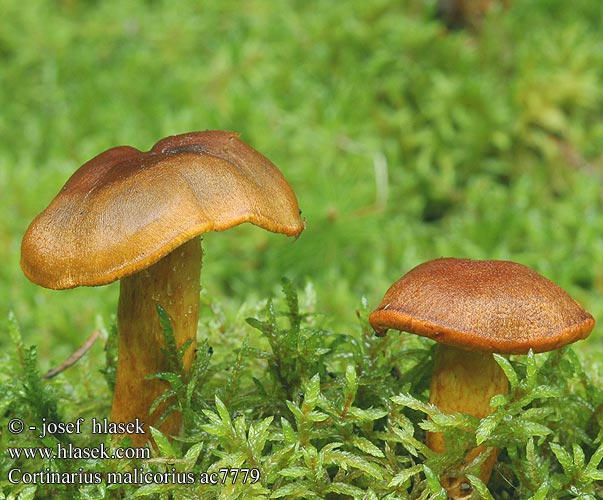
404,141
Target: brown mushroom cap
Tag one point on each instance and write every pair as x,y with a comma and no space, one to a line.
488,306
125,209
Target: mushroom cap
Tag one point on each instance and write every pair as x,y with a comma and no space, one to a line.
483,305
124,210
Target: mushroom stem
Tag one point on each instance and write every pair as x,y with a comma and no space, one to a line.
464,381
174,283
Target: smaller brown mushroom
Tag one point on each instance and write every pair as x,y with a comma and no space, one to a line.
472,309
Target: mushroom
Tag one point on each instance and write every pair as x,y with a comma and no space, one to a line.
474,308
137,217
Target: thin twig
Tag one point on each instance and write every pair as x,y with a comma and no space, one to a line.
71,360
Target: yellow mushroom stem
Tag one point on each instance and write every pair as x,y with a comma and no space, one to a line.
464,381
174,284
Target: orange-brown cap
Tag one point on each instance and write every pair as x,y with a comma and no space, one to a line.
487,305
125,209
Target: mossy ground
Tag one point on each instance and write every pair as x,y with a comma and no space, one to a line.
404,142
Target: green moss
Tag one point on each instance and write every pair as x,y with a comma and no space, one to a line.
345,418
404,142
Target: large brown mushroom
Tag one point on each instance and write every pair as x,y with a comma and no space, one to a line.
472,309
137,217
